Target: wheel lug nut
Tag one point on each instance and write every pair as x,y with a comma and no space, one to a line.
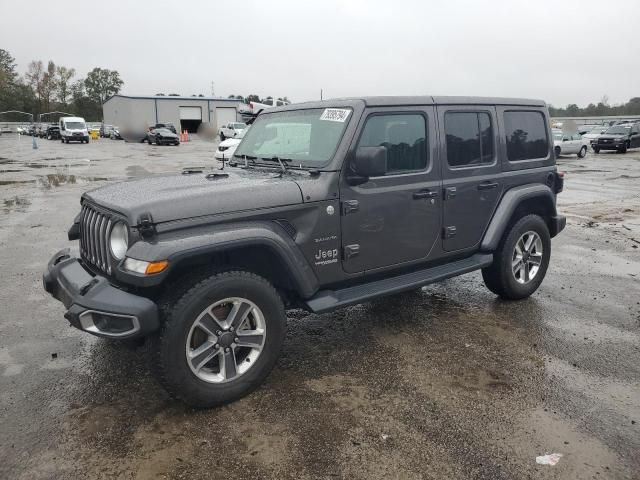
226,349
236,340
216,345
231,329
218,333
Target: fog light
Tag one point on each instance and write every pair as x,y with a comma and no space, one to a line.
109,324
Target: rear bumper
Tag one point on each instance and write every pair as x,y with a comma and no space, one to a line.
557,224
94,305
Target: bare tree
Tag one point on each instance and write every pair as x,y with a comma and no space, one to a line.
34,74
63,82
48,84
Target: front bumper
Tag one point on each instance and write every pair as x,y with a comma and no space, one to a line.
608,146
94,305
557,224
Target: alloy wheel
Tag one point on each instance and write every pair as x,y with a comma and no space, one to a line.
226,340
527,257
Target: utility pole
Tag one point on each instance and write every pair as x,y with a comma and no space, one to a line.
213,91
320,94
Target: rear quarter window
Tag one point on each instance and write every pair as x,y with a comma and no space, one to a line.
526,135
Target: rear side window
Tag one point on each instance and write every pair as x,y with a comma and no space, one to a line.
404,136
469,138
526,134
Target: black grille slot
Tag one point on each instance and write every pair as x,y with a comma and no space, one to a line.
94,242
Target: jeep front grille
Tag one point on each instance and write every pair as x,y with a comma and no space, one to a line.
94,238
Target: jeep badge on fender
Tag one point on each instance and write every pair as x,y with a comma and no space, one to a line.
373,196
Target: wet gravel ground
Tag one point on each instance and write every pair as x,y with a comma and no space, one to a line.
448,382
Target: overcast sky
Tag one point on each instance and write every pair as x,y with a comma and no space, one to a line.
563,51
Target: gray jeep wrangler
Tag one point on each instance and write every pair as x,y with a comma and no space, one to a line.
325,204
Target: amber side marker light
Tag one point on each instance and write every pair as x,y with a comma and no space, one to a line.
156,267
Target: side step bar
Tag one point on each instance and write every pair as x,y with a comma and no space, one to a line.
327,300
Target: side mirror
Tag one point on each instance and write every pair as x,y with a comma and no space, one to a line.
368,162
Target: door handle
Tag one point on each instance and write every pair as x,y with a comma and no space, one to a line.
487,185
424,194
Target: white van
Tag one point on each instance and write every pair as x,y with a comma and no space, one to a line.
73,129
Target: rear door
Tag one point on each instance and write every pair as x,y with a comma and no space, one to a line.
396,218
634,141
471,171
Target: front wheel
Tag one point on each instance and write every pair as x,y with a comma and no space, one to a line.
557,150
583,152
220,339
222,137
521,260
596,150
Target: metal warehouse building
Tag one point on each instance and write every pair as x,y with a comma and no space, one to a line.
186,112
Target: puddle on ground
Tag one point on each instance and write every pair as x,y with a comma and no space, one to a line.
58,179
15,182
11,171
18,203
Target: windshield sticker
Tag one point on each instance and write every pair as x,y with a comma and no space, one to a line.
335,114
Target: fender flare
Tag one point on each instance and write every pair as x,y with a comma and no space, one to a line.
176,247
506,208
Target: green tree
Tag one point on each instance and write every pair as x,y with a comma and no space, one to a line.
8,74
63,82
252,98
101,84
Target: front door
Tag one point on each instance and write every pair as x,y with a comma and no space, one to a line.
471,173
634,140
395,218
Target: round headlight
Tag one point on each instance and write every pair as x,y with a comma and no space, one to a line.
119,240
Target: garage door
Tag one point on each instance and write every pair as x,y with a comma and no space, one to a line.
190,113
225,115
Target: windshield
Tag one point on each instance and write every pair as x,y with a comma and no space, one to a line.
304,136
618,130
239,126
75,125
557,135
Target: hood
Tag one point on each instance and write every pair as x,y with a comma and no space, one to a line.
178,197
613,136
229,142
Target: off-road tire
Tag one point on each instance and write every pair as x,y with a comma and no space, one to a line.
583,152
181,311
499,277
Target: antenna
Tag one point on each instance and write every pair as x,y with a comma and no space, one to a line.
213,91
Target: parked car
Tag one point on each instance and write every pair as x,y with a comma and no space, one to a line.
619,138
205,265
41,130
167,125
115,134
162,136
595,132
582,129
227,147
105,131
569,143
231,130
73,129
53,132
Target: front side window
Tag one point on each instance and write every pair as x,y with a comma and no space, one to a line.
404,136
526,135
469,138
307,137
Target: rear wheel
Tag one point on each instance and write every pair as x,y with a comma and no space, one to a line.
220,339
521,260
583,152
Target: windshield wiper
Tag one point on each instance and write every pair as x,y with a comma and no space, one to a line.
246,159
281,161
